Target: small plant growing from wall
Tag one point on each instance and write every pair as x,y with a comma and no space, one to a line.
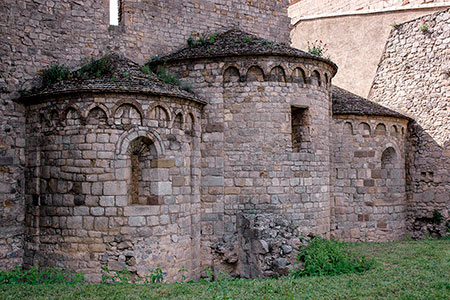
95,67
317,48
423,27
203,40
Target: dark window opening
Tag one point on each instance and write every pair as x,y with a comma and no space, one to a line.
141,152
300,129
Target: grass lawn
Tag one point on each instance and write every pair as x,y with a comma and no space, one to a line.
404,270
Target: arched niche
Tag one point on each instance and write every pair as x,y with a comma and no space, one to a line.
190,123
348,128
326,79
161,115
364,129
72,117
392,175
315,78
380,129
178,121
277,74
96,116
231,74
388,158
394,130
298,75
255,73
127,114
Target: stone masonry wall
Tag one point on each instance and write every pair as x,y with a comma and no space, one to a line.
369,197
36,33
414,77
81,181
248,162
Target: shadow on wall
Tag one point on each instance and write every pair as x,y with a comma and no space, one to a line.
428,184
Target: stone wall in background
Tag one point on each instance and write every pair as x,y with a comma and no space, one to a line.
414,78
34,34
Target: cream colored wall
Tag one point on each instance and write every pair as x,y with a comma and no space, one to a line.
355,43
319,7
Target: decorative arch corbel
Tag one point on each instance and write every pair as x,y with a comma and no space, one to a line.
128,136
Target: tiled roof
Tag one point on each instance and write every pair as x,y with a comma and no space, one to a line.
125,77
236,42
347,103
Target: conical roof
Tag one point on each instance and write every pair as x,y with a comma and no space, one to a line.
236,42
121,75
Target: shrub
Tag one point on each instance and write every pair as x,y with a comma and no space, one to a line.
40,276
96,67
55,73
328,257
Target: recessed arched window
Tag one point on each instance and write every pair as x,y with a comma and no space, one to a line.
300,123
141,152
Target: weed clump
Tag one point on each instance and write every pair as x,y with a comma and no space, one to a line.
40,276
329,257
96,68
55,73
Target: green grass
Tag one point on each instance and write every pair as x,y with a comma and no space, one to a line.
404,270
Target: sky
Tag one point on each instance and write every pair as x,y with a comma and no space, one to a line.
113,12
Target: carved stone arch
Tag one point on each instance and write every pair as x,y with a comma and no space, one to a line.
190,122
99,105
159,115
364,129
125,138
315,78
178,119
391,144
72,115
394,131
231,73
254,73
298,75
127,106
348,128
277,73
380,129
96,114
